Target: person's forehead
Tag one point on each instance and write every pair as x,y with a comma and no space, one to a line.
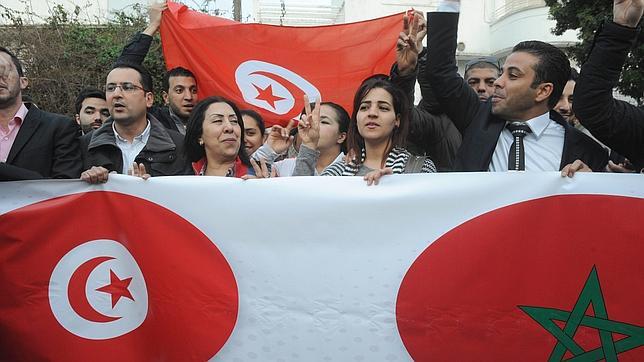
249,122
482,73
94,102
520,60
181,80
123,75
328,112
6,58
220,108
378,95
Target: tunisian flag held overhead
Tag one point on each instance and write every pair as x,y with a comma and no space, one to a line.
269,68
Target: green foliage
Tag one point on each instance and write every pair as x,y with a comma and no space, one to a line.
62,55
587,15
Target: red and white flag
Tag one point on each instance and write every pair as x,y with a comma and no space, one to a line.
441,267
103,276
269,68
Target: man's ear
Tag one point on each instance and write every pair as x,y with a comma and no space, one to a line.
544,90
164,94
24,83
77,118
149,99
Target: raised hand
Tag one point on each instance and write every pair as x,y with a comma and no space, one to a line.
422,29
279,139
155,14
410,42
309,126
628,12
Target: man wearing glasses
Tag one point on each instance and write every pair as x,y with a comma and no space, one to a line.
131,141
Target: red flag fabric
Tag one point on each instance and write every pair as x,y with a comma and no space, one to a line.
127,288
269,68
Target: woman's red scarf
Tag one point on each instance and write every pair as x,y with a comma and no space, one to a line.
238,170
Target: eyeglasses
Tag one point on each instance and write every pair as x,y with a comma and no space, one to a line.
126,87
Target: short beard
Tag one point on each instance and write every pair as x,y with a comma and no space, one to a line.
87,128
519,108
177,113
127,121
11,100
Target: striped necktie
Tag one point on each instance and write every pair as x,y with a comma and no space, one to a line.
516,156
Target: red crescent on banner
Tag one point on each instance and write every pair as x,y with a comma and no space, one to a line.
76,291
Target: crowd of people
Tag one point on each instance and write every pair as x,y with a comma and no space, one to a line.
531,113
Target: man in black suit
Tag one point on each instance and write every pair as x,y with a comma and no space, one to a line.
33,143
516,128
616,123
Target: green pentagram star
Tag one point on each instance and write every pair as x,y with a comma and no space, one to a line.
609,349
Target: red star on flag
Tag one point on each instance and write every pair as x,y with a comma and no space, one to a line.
266,94
117,288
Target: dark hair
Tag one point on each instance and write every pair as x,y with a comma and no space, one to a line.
254,115
175,72
343,120
574,75
377,76
144,75
194,130
87,93
355,142
552,66
15,61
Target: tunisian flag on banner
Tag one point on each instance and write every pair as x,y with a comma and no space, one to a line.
269,68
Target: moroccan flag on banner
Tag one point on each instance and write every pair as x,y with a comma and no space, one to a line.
269,68
425,267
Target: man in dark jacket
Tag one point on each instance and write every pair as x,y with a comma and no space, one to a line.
516,129
179,84
480,74
33,143
91,109
131,137
431,132
617,124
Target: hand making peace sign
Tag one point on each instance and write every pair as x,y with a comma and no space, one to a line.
410,41
309,126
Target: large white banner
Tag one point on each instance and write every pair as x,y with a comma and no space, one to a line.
512,266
